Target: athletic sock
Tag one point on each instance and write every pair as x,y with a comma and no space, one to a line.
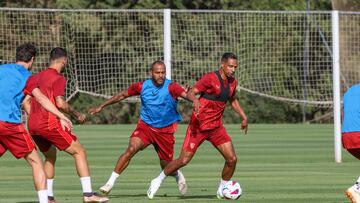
162,176
86,184
112,178
42,195
50,191
177,175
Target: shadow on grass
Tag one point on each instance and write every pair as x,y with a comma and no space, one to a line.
28,202
164,196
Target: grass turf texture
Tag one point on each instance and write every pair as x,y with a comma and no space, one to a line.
276,164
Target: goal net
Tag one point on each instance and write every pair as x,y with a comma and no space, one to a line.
286,56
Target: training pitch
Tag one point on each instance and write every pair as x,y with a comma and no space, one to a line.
276,164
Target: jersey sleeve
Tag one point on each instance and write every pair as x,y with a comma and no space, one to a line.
204,83
31,84
59,87
135,89
234,92
175,90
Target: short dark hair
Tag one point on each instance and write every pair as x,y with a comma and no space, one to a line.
157,62
25,52
228,55
57,53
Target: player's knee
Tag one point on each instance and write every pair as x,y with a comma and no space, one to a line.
51,159
231,160
34,159
131,150
82,152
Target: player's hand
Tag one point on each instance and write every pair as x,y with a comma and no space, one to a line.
196,106
66,124
94,110
244,126
81,118
187,88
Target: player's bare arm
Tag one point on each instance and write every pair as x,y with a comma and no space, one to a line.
236,106
191,95
49,106
67,108
116,98
26,104
186,89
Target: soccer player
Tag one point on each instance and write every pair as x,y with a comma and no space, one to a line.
157,123
351,133
13,136
47,133
215,89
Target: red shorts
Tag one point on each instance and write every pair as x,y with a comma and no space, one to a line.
194,137
13,137
162,139
56,136
351,140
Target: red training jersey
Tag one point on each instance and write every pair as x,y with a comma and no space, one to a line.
211,112
52,84
174,88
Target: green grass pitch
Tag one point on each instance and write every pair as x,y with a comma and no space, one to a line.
276,164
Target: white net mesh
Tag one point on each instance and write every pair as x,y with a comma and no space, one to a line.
108,50
282,55
115,49
270,47
350,49
44,29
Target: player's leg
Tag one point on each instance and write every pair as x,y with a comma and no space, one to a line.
228,152
351,142
49,151
67,141
49,165
14,137
39,176
164,145
191,142
171,168
222,142
135,145
77,151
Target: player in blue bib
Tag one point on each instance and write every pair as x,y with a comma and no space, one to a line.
157,123
351,133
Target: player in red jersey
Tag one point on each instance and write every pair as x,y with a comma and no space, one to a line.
157,123
215,90
47,133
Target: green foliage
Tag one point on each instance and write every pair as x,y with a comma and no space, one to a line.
173,4
108,42
258,110
121,112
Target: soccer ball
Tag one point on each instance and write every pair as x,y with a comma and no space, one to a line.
232,190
